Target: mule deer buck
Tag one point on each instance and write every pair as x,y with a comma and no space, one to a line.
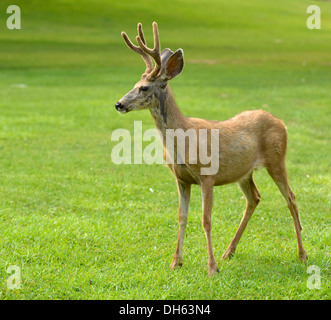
249,140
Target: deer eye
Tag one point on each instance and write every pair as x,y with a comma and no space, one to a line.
144,88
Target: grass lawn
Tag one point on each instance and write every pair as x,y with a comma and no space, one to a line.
80,227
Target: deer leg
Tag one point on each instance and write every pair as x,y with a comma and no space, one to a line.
279,175
253,197
184,192
207,203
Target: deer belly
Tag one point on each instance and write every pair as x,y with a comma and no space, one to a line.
183,173
234,167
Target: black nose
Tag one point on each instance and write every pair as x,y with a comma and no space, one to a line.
118,106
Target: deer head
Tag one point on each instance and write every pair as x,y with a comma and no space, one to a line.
153,83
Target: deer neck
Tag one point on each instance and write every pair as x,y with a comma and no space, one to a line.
166,114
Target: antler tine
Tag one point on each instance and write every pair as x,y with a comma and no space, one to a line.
144,55
155,52
141,33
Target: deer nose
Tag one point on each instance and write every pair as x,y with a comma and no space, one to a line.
118,106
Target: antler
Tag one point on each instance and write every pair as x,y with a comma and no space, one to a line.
146,52
154,53
144,55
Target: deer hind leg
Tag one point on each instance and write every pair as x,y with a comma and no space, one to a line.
207,203
184,192
253,197
279,175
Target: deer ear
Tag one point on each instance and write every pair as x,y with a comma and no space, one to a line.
174,65
165,55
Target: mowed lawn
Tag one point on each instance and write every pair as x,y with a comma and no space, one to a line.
80,227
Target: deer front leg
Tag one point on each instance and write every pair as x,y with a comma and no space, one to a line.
207,204
184,192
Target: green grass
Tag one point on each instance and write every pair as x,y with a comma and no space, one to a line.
80,227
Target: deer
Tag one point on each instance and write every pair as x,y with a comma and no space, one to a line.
249,140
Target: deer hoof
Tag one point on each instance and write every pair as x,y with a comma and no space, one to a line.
175,264
213,271
228,254
303,257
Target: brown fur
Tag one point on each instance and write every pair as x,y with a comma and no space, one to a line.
249,140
